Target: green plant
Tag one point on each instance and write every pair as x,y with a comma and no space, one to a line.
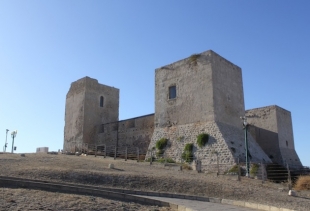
163,160
187,154
193,58
161,143
149,159
202,139
254,169
189,147
234,169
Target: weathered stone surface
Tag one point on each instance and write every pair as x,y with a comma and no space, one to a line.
84,113
272,129
200,94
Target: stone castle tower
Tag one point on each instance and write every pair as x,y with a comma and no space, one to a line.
88,105
202,94
199,94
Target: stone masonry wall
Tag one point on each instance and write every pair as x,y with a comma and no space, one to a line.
132,133
225,141
74,115
272,128
83,111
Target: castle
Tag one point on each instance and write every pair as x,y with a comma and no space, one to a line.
199,94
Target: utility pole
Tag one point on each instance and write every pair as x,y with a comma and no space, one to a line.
245,128
13,134
6,142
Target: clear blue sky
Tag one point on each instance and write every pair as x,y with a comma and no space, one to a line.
46,45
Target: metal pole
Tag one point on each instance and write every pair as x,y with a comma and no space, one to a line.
246,151
138,156
289,179
6,142
151,157
126,154
263,173
217,162
12,142
239,172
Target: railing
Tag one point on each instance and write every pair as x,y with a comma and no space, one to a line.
258,169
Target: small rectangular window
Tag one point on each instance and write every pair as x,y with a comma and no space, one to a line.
102,128
172,92
101,101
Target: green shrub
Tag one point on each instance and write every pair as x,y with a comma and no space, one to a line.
254,169
193,58
163,160
202,139
187,155
234,169
161,143
149,159
189,147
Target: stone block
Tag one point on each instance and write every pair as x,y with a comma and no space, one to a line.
263,207
215,200
292,193
272,208
250,205
227,201
239,203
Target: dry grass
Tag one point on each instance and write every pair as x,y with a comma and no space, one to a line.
23,199
143,176
303,183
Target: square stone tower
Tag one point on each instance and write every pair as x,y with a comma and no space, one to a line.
202,88
202,94
88,105
272,128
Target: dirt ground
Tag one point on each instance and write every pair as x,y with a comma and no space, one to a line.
23,199
143,176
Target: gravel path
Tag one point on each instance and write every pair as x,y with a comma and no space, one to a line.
142,176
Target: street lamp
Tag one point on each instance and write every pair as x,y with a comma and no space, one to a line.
13,134
245,128
6,138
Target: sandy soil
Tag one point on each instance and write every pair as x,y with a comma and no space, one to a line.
143,176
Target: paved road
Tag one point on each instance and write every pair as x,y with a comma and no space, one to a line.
200,205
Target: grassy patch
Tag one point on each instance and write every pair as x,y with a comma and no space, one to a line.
302,183
187,154
193,58
161,143
254,169
202,139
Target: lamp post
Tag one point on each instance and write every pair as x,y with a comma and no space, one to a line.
13,134
6,138
245,128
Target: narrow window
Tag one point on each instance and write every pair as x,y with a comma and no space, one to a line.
172,92
286,143
102,128
101,101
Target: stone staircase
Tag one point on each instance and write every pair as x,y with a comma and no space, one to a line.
277,173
